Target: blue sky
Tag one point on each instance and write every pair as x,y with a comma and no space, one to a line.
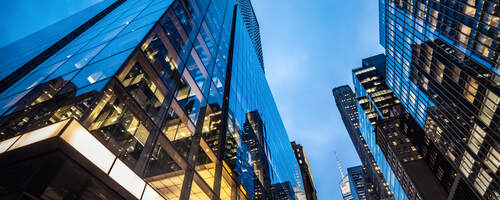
309,48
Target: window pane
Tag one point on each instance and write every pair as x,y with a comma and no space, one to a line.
101,70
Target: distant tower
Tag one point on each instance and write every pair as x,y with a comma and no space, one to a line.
338,164
345,186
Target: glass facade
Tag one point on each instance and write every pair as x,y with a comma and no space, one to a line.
167,87
397,136
375,182
20,52
443,64
357,182
374,100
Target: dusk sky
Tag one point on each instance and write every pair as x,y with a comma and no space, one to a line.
309,48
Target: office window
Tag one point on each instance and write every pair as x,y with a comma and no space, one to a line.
493,159
466,164
120,128
482,181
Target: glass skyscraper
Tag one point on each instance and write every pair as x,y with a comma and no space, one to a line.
409,163
405,159
443,64
357,182
374,102
376,185
142,99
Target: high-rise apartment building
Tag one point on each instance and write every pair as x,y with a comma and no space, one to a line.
443,64
142,99
305,171
376,185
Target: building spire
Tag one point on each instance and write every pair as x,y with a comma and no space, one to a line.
338,164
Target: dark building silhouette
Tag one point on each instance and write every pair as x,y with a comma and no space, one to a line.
305,171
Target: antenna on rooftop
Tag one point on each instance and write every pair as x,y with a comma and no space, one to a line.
338,164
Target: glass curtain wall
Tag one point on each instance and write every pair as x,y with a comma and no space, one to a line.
148,81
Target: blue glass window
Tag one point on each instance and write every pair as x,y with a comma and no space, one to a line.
100,70
122,43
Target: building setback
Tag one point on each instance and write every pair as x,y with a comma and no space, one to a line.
443,64
142,99
347,105
305,171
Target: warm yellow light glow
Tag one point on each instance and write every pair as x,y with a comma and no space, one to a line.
207,172
471,11
197,193
87,145
170,185
225,193
80,139
38,135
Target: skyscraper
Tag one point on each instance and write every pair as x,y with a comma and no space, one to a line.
395,135
305,171
282,191
374,101
345,189
346,103
141,99
443,64
400,145
357,182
